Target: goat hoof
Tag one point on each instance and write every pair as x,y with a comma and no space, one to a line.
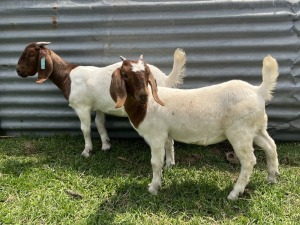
86,154
169,164
232,196
152,190
106,146
272,178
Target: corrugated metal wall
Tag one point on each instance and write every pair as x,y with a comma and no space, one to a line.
223,40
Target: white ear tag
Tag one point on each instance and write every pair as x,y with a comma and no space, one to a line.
43,63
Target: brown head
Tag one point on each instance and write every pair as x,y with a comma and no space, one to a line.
35,59
131,81
129,87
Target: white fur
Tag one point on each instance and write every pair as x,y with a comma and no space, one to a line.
139,66
90,92
234,110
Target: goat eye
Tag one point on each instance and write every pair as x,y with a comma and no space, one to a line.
124,75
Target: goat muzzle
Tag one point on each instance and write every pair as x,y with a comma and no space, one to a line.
143,98
21,72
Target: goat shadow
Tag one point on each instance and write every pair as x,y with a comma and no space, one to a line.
124,157
189,200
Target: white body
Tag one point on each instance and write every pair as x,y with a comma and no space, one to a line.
233,110
90,92
90,89
202,116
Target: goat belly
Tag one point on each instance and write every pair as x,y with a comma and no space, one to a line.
199,137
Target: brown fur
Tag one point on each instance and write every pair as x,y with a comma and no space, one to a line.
130,89
136,112
57,69
118,88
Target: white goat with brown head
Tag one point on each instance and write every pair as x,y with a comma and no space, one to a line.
234,110
87,87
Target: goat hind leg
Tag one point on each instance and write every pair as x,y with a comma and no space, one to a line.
85,125
264,141
247,159
100,121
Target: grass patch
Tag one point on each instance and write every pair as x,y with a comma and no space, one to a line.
44,180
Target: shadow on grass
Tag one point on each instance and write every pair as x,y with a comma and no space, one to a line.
177,201
126,156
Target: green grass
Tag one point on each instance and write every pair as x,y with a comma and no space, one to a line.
38,173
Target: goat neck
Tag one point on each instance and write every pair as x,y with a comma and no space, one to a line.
136,112
60,75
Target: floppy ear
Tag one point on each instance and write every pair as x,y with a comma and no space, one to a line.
45,66
153,85
118,89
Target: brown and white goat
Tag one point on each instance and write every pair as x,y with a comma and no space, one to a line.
234,110
87,87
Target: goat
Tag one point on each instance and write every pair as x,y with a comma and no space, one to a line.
233,110
87,87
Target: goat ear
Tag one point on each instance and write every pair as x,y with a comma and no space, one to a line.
153,85
118,89
45,66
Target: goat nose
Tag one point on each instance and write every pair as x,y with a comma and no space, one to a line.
20,71
18,68
143,97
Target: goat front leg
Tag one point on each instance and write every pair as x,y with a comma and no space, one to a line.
170,158
157,161
85,125
100,123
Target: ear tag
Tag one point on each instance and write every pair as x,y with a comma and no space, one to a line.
43,63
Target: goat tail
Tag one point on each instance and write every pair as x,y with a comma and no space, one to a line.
178,72
269,77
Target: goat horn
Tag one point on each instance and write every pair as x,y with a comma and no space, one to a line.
42,43
123,58
141,58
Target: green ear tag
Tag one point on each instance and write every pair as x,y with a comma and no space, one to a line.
43,63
